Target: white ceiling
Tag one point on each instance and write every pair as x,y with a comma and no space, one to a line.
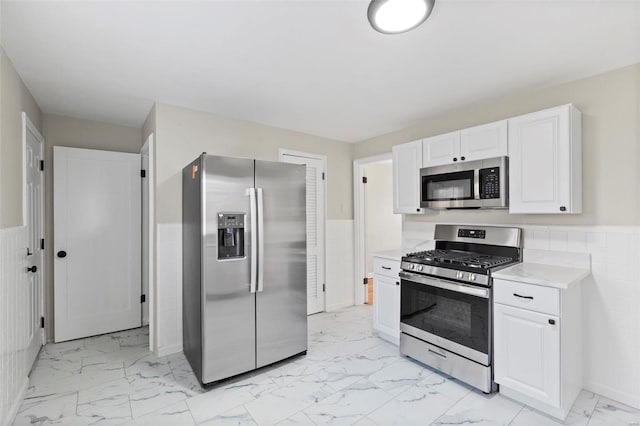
311,66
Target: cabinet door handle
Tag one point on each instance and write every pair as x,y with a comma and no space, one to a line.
523,297
563,209
552,321
397,282
455,158
462,158
386,267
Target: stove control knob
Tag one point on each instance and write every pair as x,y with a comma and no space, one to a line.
460,275
411,266
420,268
472,277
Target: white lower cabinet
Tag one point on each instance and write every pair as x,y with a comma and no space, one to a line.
527,353
537,345
386,299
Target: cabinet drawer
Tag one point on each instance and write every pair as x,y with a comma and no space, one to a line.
386,267
527,296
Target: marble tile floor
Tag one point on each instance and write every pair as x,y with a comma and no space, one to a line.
349,376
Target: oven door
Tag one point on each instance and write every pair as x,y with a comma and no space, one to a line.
449,314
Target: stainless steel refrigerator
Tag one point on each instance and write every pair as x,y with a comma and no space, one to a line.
244,264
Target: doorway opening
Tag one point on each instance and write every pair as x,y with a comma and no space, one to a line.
377,228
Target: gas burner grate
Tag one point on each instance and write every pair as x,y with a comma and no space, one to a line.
458,257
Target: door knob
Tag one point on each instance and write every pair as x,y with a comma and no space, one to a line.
62,254
33,269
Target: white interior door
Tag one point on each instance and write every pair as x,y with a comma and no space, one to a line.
34,213
315,229
97,244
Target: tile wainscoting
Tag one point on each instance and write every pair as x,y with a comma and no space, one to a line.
14,324
339,276
611,297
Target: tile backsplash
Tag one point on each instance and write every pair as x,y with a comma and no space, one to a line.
611,296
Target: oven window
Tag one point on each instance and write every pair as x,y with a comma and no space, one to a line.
454,316
449,186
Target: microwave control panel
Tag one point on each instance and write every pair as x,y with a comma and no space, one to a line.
489,182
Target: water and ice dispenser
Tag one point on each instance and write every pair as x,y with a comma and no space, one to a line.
230,235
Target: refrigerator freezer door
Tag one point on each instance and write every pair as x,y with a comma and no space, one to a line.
281,301
228,304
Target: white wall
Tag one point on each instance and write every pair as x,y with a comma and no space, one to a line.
383,228
14,323
611,297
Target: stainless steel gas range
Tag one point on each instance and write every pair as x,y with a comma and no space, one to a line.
446,317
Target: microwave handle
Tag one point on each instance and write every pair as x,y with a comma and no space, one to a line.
476,184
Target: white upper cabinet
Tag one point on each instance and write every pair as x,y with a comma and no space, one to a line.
441,149
407,160
486,141
545,161
474,143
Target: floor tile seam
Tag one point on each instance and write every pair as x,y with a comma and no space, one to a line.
594,408
451,406
130,408
35,404
103,384
517,414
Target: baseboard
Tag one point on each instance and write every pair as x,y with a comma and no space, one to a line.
11,415
616,395
168,350
341,305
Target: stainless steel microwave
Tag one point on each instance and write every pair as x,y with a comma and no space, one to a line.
481,184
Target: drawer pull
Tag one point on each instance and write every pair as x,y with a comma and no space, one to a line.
443,356
552,322
523,297
386,267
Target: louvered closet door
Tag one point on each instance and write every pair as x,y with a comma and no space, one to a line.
315,230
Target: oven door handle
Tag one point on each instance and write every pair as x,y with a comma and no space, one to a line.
446,285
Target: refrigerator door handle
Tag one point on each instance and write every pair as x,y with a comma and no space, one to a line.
260,241
254,239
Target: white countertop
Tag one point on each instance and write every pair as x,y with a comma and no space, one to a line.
561,277
389,254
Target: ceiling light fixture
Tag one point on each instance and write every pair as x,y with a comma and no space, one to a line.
398,16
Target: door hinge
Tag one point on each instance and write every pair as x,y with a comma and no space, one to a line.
364,179
365,281
143,298
143,173
41,322
322,175
41,165
41,243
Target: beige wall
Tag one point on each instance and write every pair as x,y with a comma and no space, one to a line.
611,146
76,133
14,99
149,125
383,228
183,134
